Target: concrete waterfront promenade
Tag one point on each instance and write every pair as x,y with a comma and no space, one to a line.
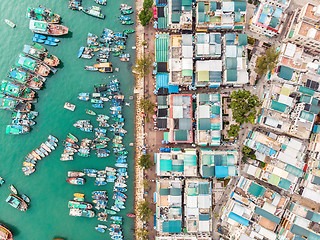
139,127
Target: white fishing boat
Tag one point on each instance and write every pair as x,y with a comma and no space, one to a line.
11,24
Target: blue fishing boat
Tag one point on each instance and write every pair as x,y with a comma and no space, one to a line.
121,161
97,105
116,218
47,42
120,189
115,197
36,35
90,171
121,170
80,52
121,165
120,194
111,177
100,183
84,96
124,18
101,130
117,237
99,229
53,39
37,40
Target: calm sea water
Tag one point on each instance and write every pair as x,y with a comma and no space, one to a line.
47,216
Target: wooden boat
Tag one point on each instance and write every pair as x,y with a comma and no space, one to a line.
13,189
94,11
101,2
5,233
127,22
42,13
47,28
90,112
34,65
25,198
126,11
75,174
37,156
91,68
17,129
69,106
79,205
131,215
11,24
53,138
17,202
127,31
76,181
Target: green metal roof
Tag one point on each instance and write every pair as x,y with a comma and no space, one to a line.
176,17
208,171
294,170
285,72
256,190
165,165
204,188
200,6
243,39
175,191
172,226
232,75
267,215
240,6
231,63
279,106
307,116
181,135
204,124
164,191
307,91
284,183
274,22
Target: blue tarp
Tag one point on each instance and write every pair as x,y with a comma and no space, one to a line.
165,149
173,89
162,80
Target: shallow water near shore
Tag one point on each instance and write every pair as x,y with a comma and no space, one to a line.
48,216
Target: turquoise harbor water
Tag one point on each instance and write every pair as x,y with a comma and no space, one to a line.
47,216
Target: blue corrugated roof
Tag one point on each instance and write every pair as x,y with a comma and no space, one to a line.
173,89
162,80
262,18
238,219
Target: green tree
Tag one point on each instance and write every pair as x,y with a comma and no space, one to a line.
146,184
243,106
144,211
143,65
145,16
145,161
142,233
246,151
267,62
262,164
147,4
147,106
234,130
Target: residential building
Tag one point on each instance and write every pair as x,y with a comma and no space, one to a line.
299,222
304,27
162,14
162,112
176,163
283,4
208,45
218,164
209,119
169,206
161,59
181,59
267,20
235,59
220,15
208,73
198,206
180,120
180,15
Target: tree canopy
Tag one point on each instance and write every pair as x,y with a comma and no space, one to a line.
145,161
267,62
147,4
144,211
145,16
143,65
243,105
234,130
142,233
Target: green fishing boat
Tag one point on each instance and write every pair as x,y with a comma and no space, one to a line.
128,31
16,91
72,137
111,212
99,146
90,112
127,22
126,12
117,54
94,11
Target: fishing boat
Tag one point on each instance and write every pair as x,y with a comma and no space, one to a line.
53,138
37,156
101,2
13,189
91,68
111,212
97,105
76,181
124,6
110,169
83,96
16,91
5,233
1,181
23,77
50,43
25,198
49,145
90,112
79,205
104,67
28,115
124,18
39,52
120,189
126,11
11,24
115,208
17,202
17,129
119,184
37,40
80,52
47,28
72,137
75,174
41,154
127,31
33,65
69,106
99,229
120,194
75,4
26,122
94,11
53,39
127,22
43,14
81,213
116,237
